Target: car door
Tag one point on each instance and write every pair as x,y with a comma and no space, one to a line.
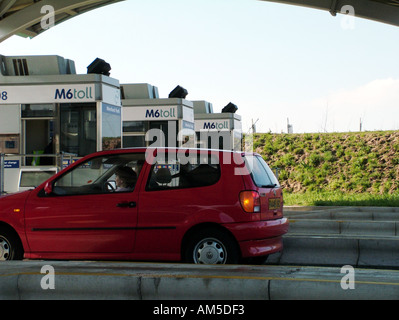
83,213
170,199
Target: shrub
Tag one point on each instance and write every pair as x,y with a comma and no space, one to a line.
314,159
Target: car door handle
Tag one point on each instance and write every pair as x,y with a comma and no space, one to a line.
130,204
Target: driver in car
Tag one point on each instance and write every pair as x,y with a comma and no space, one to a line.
125,178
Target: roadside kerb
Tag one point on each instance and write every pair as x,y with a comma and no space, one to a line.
144,281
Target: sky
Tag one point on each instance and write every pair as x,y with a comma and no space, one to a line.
276,62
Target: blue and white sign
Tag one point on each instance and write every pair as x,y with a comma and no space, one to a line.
150,113
47,93
212,125
11,164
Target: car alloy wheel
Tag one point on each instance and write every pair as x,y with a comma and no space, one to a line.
10,245
5,249
210,251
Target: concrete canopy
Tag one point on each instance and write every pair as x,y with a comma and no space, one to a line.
24,17
386,11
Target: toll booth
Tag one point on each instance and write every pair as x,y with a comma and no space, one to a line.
217,130
48,109
152,121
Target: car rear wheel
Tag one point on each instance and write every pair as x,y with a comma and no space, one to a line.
212,246
10,246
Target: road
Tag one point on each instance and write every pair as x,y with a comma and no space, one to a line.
147,281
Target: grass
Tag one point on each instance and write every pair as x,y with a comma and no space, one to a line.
357,168
334,198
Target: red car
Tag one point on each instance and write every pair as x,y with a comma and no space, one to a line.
200,206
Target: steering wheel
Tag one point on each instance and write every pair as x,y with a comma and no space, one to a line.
109,187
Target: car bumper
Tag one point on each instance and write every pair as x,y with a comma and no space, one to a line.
259,238
264,247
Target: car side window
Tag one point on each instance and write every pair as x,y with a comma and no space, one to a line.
261,173
105,174
173,174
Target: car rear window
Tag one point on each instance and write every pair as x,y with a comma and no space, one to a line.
261,173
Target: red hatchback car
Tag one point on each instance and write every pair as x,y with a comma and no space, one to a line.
195,205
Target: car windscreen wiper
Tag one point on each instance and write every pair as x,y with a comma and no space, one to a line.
269,186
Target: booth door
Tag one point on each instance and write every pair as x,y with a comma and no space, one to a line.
78,126
165,128
38,139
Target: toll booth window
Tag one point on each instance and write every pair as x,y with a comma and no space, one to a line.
134,134
161,133
31,179
214,140
78,124
134,141
134,126
37,110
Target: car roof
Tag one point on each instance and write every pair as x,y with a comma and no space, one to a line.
145,149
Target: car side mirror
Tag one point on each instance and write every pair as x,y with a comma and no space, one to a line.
48,188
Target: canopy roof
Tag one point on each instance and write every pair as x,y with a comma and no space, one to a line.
24,17
386,11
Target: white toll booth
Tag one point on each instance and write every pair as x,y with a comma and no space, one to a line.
151,121
217,130
48,109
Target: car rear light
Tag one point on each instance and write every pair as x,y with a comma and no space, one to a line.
250,201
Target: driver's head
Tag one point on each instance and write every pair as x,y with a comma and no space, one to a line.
127,176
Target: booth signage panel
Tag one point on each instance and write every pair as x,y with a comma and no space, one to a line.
187,125
213,125
47,94
188,114
112,95
111,109
111,126
237,125
150,113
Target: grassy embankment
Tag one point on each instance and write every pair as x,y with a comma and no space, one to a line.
335,168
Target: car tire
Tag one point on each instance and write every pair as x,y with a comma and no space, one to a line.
212,246
10,246
256,260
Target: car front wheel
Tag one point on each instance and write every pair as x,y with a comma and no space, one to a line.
212,246
10,246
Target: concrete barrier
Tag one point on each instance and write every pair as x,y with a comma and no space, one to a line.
378,253
143,281
359,236
344,227
337,251
317,251
343,213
